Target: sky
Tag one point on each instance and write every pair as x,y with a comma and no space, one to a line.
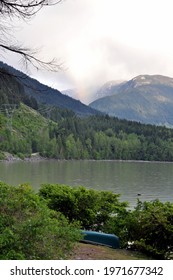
99,41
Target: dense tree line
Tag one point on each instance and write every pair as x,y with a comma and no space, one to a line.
63,135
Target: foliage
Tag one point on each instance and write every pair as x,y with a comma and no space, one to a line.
29,229
150,227
92,208
46,225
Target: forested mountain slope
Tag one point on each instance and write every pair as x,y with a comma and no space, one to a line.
24,131
32,89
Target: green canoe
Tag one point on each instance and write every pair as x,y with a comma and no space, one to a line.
100,238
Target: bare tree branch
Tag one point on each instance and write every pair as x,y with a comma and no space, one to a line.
18,8
30,58
24,10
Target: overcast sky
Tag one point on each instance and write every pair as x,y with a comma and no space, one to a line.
100,40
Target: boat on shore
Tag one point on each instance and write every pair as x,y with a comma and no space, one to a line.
100,238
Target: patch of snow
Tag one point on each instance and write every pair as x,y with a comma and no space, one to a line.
162,98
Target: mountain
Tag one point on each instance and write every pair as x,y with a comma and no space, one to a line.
146,99
41,93
28,129
109,88
96,92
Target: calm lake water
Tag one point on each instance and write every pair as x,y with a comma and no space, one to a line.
150,179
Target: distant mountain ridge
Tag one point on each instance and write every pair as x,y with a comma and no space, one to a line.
109,88
145,98
96,92
46,95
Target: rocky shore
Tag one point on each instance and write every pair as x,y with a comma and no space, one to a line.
10,157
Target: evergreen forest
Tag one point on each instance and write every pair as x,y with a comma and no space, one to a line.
60,134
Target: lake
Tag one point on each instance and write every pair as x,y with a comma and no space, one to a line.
129,178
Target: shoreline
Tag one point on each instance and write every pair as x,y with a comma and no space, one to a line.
36,157
13,158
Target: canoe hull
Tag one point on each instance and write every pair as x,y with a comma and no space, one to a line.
100,238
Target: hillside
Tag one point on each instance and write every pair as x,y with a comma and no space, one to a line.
32,89
146,99
27,127
24,131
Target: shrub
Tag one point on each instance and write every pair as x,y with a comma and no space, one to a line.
29,229
150,227
90,207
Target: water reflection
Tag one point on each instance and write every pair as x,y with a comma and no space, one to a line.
150,179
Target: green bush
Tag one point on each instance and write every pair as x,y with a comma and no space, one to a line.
46,225
90,207
29,229
150,227
117,224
